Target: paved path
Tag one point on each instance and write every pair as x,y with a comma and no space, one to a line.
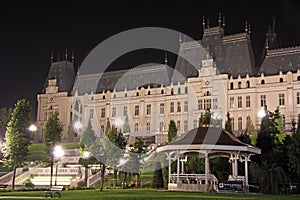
20,197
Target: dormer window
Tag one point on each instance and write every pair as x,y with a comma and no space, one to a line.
231,85
239,84
262,82
280,80
248,84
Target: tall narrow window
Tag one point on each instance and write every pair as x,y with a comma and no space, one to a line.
161,126
91,114
114,112
240,124
136,110
262,100
148,109
162,92
207,104
102,112
247,101
179,91
248,84
240,100
281,99
172,91
148,128
178,106
185,125
195,123
200,104
125,111
231,85
186,90
185,106
298,97
231,102
215,103
171,107
136,127
178,125
162,108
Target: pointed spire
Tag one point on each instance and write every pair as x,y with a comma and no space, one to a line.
249,29
220,19
66,55
246,27
274,22
267,44
223,22
203,22
73,58
166,58
51,57
180,38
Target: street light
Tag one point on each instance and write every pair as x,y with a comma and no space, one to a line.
77,126
57,153
86,155
33,129
262,113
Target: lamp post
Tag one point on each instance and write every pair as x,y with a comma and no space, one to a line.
86,155
58,153
32,128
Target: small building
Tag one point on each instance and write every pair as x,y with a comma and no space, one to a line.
207,142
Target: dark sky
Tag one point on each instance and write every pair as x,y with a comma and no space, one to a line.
30,30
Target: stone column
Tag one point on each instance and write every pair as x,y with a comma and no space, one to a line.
178,166
206,170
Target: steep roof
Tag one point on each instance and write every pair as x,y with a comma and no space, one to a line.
283,59
233,54
208,135
123,79
63,71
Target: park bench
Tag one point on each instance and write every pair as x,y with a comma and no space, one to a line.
3,186
55,190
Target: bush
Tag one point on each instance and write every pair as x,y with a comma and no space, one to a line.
80,184
29,184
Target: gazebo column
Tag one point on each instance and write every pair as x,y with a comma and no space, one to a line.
178,166
235,167
206,170
169,157
247,158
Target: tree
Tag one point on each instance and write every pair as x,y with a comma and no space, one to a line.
250,129
158,181
278,121
228,123
17,137
5,115
172,132
88,137
53,132
126,127
70,133
293,155
205,117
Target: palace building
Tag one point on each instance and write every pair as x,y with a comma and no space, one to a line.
221,74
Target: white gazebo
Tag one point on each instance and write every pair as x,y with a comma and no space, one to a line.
207,142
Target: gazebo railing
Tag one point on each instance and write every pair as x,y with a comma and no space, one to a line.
192,178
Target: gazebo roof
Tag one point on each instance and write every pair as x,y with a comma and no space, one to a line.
208,138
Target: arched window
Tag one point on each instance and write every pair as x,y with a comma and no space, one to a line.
280,80
136,127
162,91
148,128
231,85
239,84
262,82
298,78
137,94
240,123
248,84
149,92
172,91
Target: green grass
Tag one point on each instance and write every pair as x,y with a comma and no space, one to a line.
129,194
37,150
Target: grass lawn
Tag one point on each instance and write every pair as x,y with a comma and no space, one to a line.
128,194
37,150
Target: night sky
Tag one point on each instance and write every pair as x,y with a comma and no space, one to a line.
29,31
